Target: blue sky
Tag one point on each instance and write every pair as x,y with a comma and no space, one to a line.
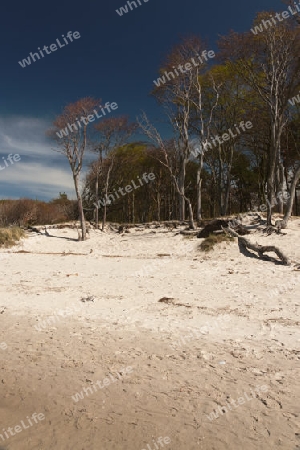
115,59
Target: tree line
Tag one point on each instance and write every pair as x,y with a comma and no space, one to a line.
214,164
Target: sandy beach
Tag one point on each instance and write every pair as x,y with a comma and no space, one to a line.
123,341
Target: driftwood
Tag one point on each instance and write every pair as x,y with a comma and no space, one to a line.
123,229
212,226
217,226
241,230
188,232
33,229
260,249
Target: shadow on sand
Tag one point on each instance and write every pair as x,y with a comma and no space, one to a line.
249,254
61,237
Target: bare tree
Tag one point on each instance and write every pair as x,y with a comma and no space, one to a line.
202,123
70,133
152,133
178,96
112,133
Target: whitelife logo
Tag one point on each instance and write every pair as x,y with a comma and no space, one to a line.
159,444
18,428
11,158
187,67
53,48
124,9
198,147
294,100
241,400
86,120
112,197
265,24
56,317
3,346
101,384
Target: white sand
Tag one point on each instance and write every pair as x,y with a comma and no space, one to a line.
240,316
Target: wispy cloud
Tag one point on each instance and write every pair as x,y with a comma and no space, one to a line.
41,173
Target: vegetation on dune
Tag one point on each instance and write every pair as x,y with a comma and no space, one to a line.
10,236
209,243
27,212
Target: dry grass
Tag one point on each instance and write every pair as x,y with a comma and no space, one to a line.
10,236
213,239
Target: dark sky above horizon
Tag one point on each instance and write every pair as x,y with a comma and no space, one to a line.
116,59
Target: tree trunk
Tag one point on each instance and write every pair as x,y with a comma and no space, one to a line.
228,184
106,192
181,181
80,208
158,201
133,209
283,223
191,218
199,190
271,172
220,181
279,190
260,249
97,200
270,186
226,195
99,170
104,216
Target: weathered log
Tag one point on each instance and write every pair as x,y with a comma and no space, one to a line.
241,230
218,232
187,232
216,226
212,226
260,249
32,229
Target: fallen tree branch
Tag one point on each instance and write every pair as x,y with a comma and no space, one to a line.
260,249
188,232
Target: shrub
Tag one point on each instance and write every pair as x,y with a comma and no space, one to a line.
24,212
10,236
208,243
